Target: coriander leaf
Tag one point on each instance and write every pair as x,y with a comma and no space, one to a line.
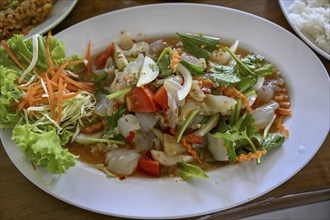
246,83
199,45
224,75
265,70
272,141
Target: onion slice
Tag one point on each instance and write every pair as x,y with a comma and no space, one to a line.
34,57
148,73
187,83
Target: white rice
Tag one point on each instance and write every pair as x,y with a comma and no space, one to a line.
312,18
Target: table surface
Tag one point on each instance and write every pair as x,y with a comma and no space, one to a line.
20,199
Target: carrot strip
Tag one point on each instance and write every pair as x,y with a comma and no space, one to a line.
71,95
190,149
250,155
59,100
11,55
175,59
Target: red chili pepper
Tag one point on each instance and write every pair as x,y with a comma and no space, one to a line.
195,139
130,137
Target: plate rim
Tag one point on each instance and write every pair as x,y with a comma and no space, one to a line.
193,4
56,20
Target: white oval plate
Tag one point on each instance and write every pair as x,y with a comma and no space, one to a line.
285,5
227,187
61,9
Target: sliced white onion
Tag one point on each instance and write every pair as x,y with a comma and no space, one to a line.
219,103
82,138
217,148
263,115
122,161
224,57
128,123
182,93
196,91
259,83
34,57
206,128
147,121
148,73
165,160
171,147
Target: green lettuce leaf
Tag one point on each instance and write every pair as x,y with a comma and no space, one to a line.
43,149
9,94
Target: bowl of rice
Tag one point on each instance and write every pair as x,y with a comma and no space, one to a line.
311,21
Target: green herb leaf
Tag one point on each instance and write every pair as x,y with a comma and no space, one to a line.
224,75
272,141
188,171
193,68
199,46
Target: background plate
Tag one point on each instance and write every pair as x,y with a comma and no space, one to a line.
61,9
227,187
285,4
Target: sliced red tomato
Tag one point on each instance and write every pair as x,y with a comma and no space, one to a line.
141,99
150,167
102,59
161,97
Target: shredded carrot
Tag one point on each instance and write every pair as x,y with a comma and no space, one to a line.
189,148
250,155
175,59
234,93
89,62
11,55
71,95
55,82
59,100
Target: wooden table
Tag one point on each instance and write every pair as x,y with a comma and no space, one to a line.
20,199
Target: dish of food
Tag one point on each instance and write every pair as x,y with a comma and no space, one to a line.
311,21
29,17
225,187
